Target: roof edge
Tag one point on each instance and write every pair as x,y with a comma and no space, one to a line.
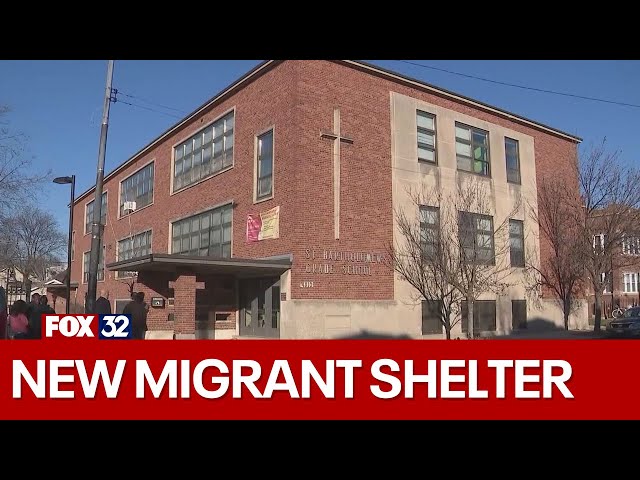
282,262
267,65
248,77
413,82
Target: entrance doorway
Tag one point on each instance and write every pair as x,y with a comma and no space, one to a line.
260,307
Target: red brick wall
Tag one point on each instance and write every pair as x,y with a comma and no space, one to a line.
298,97
260,105
366,214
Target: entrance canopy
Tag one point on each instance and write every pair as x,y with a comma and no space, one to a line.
237,267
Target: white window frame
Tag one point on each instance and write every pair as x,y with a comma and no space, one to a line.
125,274
106,212
631,245
603,280
104,263
633,281
427,131
153,181
256,197
603,238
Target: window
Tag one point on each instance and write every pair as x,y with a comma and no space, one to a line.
135,246
88,217
631,281
476,237
207,152
484,315
136,191
516,242
512,153
599,242
426,137
206,234
472,150
73,245
518,314
431,315
631,245
85,266
265,165
429,229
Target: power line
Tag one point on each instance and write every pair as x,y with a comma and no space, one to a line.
524,87
149,109
152,103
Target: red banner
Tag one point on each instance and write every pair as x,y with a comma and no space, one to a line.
330,379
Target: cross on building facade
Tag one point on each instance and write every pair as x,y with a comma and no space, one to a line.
338,139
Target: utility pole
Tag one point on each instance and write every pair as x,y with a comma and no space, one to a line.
96,227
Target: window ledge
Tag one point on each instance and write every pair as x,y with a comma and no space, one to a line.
134,212
182,189
262,200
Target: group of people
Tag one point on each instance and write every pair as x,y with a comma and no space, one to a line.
22,321
137,309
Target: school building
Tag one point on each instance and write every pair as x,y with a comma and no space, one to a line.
267,212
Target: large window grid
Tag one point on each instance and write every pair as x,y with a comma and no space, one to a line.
477,237
265,165
138,188
472,150
88,214
204,154
206,234
426,125
85,266
137,245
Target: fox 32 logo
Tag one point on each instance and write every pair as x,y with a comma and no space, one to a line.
114,327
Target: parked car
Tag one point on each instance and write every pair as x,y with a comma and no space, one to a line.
628,325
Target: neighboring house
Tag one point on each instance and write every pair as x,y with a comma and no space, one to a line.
14,282
12,279
267,211
623,280
56,290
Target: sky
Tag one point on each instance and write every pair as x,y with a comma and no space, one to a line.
58,104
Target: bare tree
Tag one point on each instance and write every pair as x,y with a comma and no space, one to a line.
610,211
130,280
39,241
466,258
562,270
484,263
17,184
423,256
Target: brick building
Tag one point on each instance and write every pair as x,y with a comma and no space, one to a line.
266,211
622,280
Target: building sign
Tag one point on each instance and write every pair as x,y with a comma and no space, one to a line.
264,226
341,262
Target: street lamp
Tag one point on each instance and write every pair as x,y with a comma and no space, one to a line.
72,181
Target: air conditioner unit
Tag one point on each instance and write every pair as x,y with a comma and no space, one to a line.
129,207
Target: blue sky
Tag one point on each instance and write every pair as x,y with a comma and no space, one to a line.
58,104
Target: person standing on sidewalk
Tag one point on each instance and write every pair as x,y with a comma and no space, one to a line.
138,312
